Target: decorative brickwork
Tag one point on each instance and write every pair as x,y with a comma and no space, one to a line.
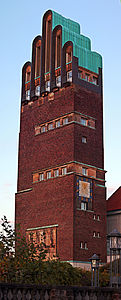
61,177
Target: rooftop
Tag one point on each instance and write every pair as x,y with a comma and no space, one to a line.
114,201
81,44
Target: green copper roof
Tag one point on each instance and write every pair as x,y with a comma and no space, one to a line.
81,44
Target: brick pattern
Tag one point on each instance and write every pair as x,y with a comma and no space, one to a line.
54,201
62,121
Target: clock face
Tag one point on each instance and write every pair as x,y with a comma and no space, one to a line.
84,189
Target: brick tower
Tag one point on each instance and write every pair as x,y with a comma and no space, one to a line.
61,178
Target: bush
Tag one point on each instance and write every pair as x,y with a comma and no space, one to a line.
28,263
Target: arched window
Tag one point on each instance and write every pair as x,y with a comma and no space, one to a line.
27,82
69,54
58,49
69,63
38,59
48,43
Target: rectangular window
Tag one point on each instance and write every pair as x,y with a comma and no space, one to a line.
37,90
65,121
57,124
84,140
98,218
56,173
48,174
85,246
94,234
69,76
28,76
81,245
83,206
41,176
64,171
94,80
43,129
83,121
87,77
94,217
84,171
50,126
58,81
47,86
98,234
28,95
80,74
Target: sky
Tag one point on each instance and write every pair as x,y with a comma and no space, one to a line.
20,23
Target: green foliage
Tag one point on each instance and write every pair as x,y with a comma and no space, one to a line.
24,264
104,275
28,263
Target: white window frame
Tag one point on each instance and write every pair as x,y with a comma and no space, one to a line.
94,217
85,246
65,120
47,85
28,95
41,176
57,123
48,174
94,80
84,139
69,76
37,90
83,206
64,170
50,126
94,234
84,171
56,173
83,121
58,81
87,77
43,129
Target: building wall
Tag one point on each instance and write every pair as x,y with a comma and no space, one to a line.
49,203
54,201
113,221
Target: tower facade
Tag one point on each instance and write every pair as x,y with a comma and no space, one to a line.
61,178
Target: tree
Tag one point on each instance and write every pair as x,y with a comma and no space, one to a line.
20,260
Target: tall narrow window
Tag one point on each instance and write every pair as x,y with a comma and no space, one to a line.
28,74
69,54
48,44
48,174
84,171
58,49
56,173
64,171
38,59
69,76
27,82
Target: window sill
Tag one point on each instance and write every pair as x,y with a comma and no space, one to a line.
83,248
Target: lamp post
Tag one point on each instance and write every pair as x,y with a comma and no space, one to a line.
95,269
115,250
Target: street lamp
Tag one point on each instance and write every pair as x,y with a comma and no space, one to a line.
95,269
115,250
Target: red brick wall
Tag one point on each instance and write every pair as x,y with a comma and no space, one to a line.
51,202
85,225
